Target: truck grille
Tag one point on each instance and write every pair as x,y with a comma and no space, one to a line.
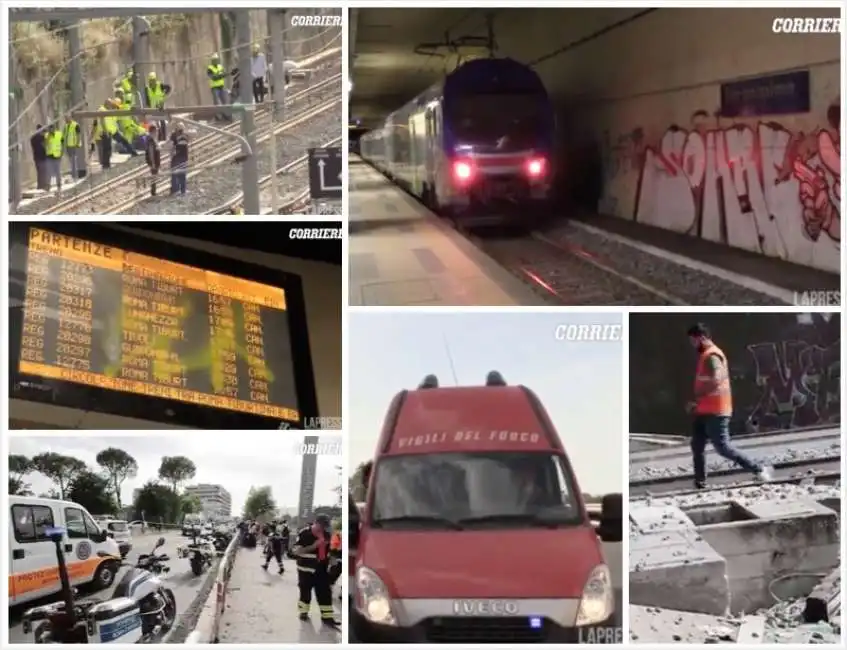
460,629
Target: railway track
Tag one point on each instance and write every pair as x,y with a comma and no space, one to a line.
824,469
782,446
233,152
290,203
128,188
568,275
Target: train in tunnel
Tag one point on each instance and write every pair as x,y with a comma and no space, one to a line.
475,147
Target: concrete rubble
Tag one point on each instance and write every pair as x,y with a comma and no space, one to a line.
727,565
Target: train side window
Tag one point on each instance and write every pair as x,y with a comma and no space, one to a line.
30,522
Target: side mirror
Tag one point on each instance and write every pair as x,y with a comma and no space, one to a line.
611,518
160,542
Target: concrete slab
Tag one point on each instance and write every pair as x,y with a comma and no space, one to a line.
655,625
677,569
648,518
802,538
752,630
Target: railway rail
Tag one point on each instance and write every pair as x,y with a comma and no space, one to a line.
796,442
568,275
824,470
291,203
128,188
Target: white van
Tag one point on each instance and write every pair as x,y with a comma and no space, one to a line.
118,530
33,572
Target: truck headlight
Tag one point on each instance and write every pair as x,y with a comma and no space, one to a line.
598,598
372,598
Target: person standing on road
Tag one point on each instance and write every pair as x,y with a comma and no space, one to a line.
274,550
311,550
285,534
712,409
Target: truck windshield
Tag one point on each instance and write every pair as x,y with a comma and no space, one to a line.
118,526
505,122
469,490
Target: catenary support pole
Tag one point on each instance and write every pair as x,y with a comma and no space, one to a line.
250,166
77,89
276,26
15,137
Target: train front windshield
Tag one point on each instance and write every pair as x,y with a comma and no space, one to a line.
505,122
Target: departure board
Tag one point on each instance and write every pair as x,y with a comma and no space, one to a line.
109,318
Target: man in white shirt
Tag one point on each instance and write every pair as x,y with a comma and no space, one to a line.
259,69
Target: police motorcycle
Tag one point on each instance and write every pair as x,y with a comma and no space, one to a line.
200,554
140,610
220,540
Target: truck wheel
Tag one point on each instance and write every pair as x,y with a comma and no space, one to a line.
104,576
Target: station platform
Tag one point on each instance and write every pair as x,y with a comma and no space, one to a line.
401,254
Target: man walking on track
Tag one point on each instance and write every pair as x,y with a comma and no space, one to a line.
712,409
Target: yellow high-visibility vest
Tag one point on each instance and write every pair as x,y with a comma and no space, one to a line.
216,70
53,144
71,135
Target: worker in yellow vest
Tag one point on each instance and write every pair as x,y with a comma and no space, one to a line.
72,135
54,148
155,93
127,87
102,132
128,127
217,83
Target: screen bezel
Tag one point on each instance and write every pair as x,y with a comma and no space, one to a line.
166,411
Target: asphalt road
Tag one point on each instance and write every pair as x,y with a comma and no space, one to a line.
261,606
180,579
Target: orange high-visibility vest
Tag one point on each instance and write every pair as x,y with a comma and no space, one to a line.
335,543
719,401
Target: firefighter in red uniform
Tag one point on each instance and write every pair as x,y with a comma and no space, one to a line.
311,550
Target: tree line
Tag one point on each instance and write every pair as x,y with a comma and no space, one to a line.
98,488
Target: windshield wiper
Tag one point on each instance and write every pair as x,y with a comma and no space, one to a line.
418,518
537,520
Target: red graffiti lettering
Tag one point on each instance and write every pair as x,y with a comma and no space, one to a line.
800,384
759,187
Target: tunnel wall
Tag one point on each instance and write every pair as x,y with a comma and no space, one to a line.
640,109
785,370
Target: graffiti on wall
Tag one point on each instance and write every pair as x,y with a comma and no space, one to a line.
757,186
799,383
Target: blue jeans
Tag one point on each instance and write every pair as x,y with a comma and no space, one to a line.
178,179
715,429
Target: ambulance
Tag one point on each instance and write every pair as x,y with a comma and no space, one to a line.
474,528
92,556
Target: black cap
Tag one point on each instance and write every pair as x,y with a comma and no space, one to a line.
699,329
323,520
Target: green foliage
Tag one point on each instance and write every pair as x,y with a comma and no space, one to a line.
58,468
260,502
119,466
92,492
176,470
158,503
